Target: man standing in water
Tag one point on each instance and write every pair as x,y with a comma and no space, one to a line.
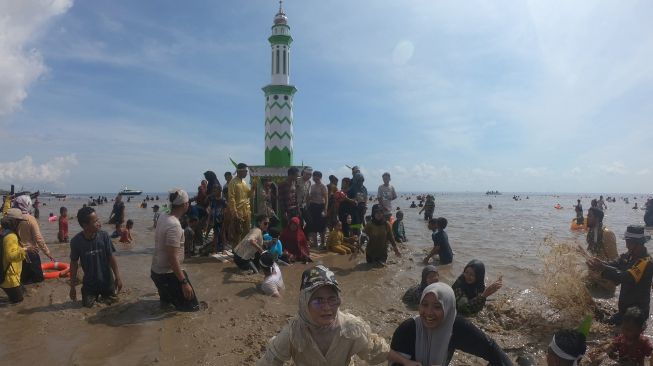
386,194
238,203
169,278
287,193
602,244
632,270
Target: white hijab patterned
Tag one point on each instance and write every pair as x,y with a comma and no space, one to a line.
431,345
24,203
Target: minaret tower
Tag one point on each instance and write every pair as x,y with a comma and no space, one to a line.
279,97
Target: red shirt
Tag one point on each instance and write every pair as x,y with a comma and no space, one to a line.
63,225
635,352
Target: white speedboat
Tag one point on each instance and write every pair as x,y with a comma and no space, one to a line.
130,192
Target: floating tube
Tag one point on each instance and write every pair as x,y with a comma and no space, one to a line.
557,206
55,270
574,224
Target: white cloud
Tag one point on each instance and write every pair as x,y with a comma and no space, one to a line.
615,167
24,171
20,65
644,171
535,171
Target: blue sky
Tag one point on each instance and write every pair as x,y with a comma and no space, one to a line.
446,95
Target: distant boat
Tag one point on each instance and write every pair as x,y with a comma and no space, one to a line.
493,193
52,194
130,192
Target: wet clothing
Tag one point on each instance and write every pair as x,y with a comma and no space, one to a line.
29,234
62,235
12,260
635,277
469,298
632,354
94,256
414,294
398,230
465,337
168,233
273,283
441,239
337,243
117,213
429,208
170,291
377,246
386,194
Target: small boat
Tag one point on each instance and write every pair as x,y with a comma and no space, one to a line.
130,192
493,193
52,194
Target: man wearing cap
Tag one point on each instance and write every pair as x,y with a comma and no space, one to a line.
238,204
632,270
29,234
170,279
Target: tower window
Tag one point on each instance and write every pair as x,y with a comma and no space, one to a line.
276,97
277,61
284,61
285,97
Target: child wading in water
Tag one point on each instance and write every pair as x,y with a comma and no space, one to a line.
126,233
398,228
441,245
62,235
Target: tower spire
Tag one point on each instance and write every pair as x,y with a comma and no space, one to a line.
279,96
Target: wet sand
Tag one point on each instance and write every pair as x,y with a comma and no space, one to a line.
238,320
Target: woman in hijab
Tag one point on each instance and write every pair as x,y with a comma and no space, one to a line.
414,294
29,232
294,242
465,336
470,289
321,334
379,232
424,339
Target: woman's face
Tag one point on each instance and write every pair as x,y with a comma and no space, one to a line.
293,226
378,215
431,311
348,219
323,306
432,277
469,275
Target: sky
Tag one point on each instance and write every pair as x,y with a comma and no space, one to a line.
508,95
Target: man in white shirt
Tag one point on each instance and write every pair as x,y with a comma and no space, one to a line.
386,194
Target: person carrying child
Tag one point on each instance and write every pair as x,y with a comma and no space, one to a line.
92,248
62,235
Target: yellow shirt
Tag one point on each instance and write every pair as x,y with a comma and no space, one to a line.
12,260
239,192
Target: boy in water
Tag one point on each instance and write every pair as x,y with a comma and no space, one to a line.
62,235
126,233
93,248
631,346
398,228
155,217
429,208
440,238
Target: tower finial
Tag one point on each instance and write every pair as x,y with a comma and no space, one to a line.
280,6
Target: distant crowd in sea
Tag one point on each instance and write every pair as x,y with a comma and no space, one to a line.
278,221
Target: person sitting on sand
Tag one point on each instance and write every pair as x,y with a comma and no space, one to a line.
321,334
413,295
440,239
632,270
424,339
567,348
126,233
92,248
248,251
62,234
470,289
272,284
631,346
398,229
379,233
294,242
13,255
466,336
170,279
337,242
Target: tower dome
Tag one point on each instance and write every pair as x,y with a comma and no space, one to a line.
281,17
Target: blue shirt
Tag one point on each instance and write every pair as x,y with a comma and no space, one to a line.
440,239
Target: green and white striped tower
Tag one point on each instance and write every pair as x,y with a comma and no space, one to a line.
279,97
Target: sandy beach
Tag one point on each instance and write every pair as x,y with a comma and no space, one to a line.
238,319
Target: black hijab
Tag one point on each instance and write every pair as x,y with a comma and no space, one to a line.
425,272
213,181
473,290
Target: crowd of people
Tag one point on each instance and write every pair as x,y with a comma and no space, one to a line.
303,215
